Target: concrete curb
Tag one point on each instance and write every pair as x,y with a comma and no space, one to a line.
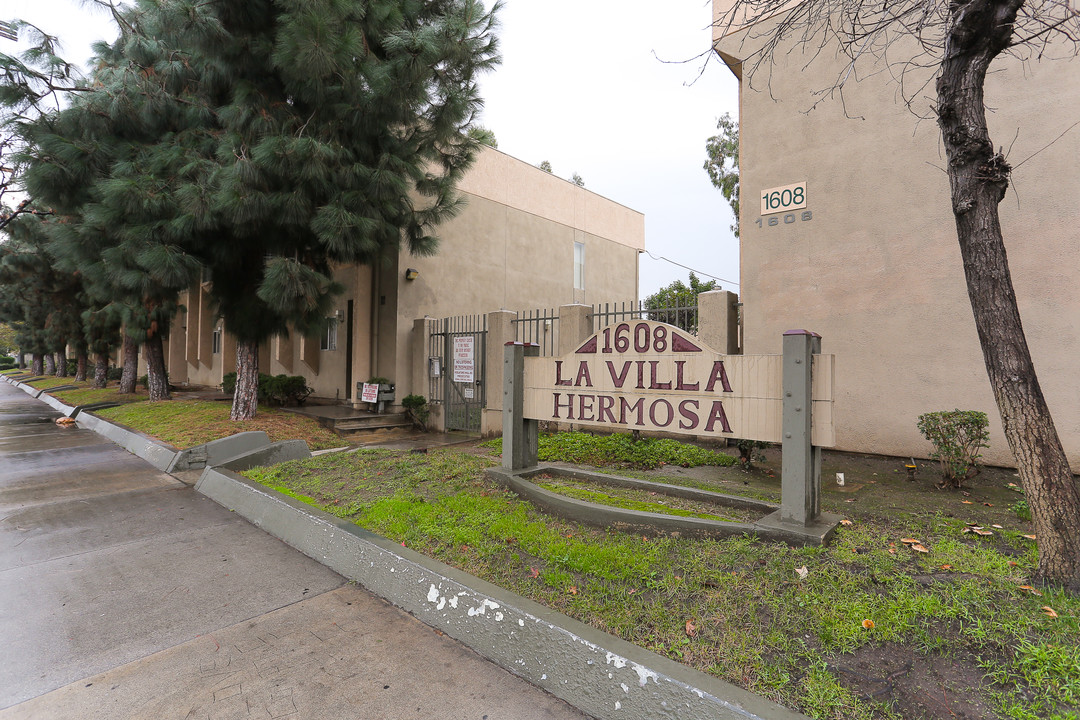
217,451
59,406
152,451
596,672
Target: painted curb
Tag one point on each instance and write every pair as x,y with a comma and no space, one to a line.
598,673
217,451
152,451
58,405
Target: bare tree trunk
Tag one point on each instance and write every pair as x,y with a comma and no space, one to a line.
22,360
38,364
980,30
50,364
157,378
131,366
80,366
61,362
246,395
101,371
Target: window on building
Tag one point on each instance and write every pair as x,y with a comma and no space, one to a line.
579,266
215,341
329,334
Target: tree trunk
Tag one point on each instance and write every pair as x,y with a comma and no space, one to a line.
157,378
131,366
22,360
61,362
80,366
979,31
38,365
50,364
246,395
101,371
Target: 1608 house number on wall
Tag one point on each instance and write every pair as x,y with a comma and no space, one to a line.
781,203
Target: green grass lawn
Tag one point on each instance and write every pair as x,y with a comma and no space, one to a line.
866,627
183,423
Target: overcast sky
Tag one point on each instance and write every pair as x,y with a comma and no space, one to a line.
583,85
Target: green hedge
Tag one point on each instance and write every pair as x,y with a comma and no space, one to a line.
274,389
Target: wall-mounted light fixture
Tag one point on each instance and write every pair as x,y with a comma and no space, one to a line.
411,273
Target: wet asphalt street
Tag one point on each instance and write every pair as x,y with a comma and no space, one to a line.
125,594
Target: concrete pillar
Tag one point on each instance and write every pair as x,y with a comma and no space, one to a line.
520,436
283,351
419,372
309,353
575,327
718,321
500,331
176,354
800,474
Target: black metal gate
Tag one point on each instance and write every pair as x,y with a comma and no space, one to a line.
459,343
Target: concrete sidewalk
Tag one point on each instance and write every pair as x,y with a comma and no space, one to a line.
124,594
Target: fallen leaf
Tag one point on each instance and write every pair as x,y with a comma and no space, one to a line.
1013,563
1029,537
967,502
691,629
980,531
573,590
967,530
802,572
534,572
997,526
892,551
1030,589
909,541
868,624
946,567
989,504
845,523
1049,611
918,547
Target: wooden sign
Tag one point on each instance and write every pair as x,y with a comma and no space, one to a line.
645,375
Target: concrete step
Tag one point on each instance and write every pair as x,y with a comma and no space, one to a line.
371,422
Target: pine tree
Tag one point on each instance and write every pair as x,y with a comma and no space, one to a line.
308,133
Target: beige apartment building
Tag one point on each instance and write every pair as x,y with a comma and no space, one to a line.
870,260
526,239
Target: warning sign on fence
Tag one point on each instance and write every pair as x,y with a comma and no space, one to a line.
464,368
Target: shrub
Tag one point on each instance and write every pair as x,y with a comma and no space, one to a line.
746,449
957,437
72,366
6,362
273,389
416,409
115,373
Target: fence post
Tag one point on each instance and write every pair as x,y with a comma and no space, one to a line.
575,327
800,473
718,320
520,435
500,330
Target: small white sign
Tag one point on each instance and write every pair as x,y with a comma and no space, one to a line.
464,363
370,393
470,393
782,199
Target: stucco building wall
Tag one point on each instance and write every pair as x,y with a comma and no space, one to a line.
511,247
877,269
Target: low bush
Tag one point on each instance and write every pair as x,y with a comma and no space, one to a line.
6,362
416,409
957,437
274,389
